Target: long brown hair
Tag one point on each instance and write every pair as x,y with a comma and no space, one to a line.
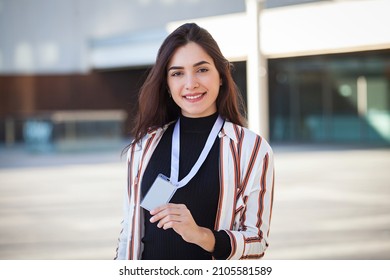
156,108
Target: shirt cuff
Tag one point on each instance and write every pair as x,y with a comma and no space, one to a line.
222,248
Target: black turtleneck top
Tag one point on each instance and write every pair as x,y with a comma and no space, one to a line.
200,195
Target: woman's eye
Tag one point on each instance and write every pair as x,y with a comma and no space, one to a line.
176,74
203,70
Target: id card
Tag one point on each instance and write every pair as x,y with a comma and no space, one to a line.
160,193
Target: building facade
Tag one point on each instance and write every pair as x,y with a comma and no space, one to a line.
327,62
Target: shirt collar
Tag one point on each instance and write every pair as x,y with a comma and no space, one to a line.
228,131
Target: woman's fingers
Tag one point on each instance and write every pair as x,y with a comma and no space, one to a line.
164,211
174,216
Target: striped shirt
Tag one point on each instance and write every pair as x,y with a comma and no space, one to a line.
246,192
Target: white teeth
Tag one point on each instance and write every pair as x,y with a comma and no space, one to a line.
194,97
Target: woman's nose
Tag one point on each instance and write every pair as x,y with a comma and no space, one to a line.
191,82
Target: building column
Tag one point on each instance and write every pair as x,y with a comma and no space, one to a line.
257,77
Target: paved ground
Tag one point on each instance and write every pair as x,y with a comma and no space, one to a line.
330,203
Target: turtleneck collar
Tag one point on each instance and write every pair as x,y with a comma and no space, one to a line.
197,125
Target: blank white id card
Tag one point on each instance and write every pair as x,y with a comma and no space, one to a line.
160,193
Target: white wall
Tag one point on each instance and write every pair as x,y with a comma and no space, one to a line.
52,36
306,29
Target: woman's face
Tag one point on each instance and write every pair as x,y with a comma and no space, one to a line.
193,81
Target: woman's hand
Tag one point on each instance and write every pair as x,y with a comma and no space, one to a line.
179,218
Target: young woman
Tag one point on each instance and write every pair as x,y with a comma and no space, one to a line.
190,122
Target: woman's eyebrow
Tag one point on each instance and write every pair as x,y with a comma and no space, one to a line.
175,68
181,67
200,63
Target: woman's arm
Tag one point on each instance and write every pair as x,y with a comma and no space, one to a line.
123,236
249,238
122,240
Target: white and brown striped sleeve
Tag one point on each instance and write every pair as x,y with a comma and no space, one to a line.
254,198
123,236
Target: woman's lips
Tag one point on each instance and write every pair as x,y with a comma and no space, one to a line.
194,97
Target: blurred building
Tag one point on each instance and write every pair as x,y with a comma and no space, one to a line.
328,62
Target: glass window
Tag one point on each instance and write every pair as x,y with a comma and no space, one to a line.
331,98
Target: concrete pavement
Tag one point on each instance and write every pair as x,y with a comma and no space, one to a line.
330,203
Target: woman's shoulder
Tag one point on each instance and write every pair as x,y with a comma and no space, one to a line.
245,136
238,132
152,134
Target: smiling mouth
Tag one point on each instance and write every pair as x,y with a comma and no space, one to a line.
195,97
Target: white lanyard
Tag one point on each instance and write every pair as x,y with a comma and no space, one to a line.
176,153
